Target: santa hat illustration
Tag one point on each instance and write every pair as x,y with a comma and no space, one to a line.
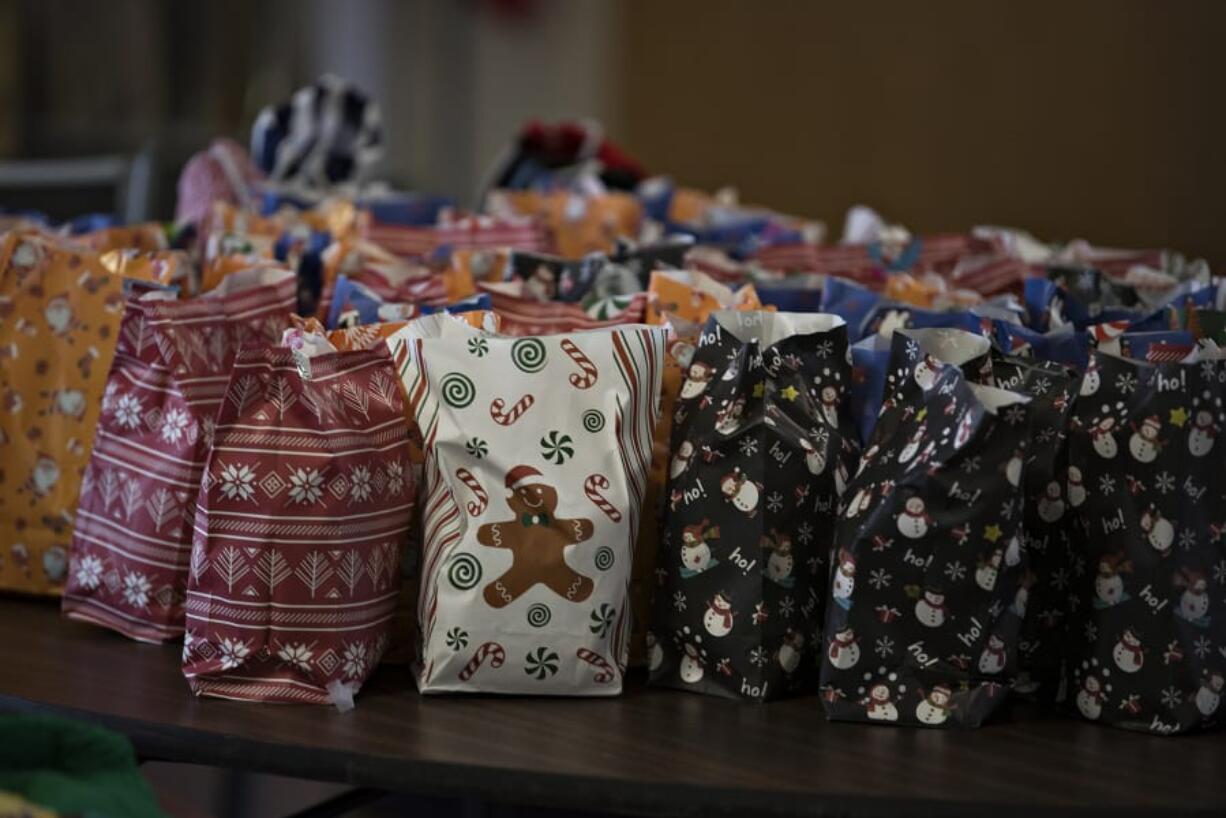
1111,564
520,476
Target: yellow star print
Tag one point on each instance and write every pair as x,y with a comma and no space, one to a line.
992,533
921,414
1179,417
790,392
758,389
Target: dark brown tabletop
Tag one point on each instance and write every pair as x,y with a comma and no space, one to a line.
649,750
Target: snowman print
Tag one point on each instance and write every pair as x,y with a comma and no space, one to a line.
988,570
1102,438
912,446
1092,379
740,491
1145,445
1194,602
930,609
992,660
655,653
1076,487
681,460
791,651
1209,695
829,400
780,564
934,708
815,459
718,618
728,419
1013,469
844,650
1157,529
860,502
1202,434
1051,506
1109,585
698,378
691,666
1091,696
695,552
878,698
1128,653
926,372
914,520
844,579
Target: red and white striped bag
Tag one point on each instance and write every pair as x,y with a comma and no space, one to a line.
304,510
133,527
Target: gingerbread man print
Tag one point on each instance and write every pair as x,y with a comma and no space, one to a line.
537,540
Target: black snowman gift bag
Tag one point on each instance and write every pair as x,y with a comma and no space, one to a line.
925,604
1149,635
762,443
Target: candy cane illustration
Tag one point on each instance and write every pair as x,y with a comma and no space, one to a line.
490,650
504,417
604,671
475,507
588,378
591,487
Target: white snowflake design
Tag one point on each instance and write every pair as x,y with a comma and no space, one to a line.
749,446
1015,415
174,424
956,571
971,464
825,349
1202,647
1091,631
233,653
1187,539
679,601
1171,697
1219,573
355,660
395,477
757,656
128,411
1208,370
884,647
1040,386
136,589
306,486
1106,484
1059,579
879,578
786,606
89,572
1126,383
359,487
1046,434
804,533
774,501
297,655
237,482
1165,482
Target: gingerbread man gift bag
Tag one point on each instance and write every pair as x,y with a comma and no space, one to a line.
537,452
1147,487
763,442
927,595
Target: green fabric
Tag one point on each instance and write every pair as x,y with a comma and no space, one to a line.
73,767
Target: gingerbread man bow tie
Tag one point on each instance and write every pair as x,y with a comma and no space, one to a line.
534,519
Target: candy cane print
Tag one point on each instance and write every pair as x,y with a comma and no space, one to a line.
604,671
591,487
490,650
475,507
504,417
588,378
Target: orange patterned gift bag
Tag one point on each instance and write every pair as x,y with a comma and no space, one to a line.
59,314
134,522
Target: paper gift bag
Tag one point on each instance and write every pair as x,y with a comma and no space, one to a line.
1148,636
60,309
136,511
762,444
304,509
922,622
537,452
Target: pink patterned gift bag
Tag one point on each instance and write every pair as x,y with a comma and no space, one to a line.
305,507
133,530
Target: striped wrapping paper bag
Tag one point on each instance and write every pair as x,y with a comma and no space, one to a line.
304,509
537,451
129,554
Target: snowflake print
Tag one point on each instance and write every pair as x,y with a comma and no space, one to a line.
1014,415
879,578
971,464
1165,482
89,572
1219,572
1046,435
884,647
787,606
804,533
1040,386
237,482
306,486
757,657
995,608
956,571
825,349
359,486
355,660
749,447
1187,539
233,653
1059,579
477,448
395,477
128,411
1106,484
774,501
1006,510
136,589
912,349
1126,383
1202,647
174,424
1091,631
679,601
1207,370
295,655
1171,697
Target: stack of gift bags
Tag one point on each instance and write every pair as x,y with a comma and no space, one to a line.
606,422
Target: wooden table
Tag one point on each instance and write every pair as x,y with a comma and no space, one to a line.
649,750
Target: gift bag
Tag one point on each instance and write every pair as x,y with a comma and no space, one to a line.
762,444
1149,633
537,451
303,513
923,619
59,316
137,504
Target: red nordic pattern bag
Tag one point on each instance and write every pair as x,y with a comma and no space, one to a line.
304,511
133,534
